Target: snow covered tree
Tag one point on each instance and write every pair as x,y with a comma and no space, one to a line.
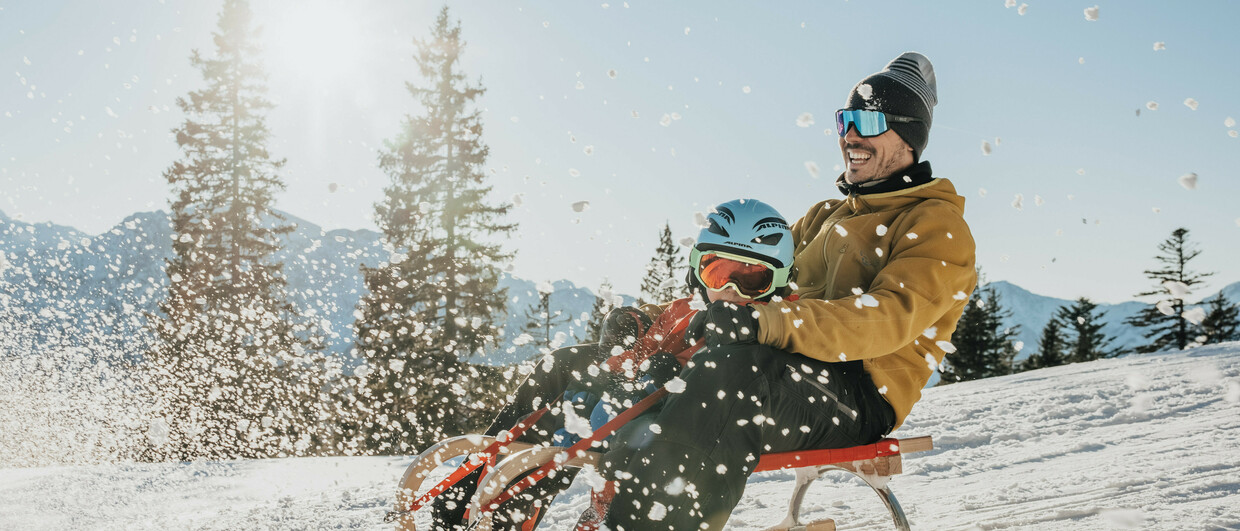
1051,348
431,305
1085,342
664,280
239,367
1164,318
1222,321
984,347
540,319
598,312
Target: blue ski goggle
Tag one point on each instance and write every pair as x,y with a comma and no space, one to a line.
867,123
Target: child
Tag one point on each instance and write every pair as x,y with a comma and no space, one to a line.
743,256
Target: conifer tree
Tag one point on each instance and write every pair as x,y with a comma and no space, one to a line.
598,313
241,370
1164,318
1051,348
1222,321
540,319
431,305
984,347
663,280
1085,341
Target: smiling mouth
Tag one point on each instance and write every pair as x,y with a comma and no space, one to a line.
857,158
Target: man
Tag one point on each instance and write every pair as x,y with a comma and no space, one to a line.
883,276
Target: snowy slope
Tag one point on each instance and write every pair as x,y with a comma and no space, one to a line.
1140,442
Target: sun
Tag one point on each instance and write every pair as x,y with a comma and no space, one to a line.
319,43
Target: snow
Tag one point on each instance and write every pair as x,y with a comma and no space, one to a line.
1144,441
1091,14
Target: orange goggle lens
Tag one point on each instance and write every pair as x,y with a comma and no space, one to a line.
751,280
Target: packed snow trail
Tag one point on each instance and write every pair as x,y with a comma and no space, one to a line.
1141,442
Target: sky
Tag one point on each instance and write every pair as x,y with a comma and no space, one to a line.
653,111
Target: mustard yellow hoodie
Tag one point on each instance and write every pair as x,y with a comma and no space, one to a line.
882,278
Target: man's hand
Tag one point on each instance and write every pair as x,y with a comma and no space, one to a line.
724,323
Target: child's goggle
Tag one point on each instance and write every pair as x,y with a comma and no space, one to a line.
867,123
751,278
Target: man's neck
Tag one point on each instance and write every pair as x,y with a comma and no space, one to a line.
914,175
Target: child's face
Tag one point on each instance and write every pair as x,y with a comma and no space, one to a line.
728,295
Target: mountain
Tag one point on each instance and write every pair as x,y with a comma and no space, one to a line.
105,285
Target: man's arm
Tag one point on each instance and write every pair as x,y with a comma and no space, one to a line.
929,272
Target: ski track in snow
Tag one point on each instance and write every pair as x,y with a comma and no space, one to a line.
1141,442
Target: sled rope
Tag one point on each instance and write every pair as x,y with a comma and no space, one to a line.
584,445
487,456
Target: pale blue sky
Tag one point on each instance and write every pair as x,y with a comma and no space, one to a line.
88,98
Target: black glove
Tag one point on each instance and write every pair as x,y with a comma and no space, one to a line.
661,367
622,327
724,323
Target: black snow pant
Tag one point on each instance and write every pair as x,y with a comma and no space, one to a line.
739,402
548,381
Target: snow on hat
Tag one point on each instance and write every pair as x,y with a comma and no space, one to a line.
905,87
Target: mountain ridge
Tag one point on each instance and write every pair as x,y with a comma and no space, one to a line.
116,277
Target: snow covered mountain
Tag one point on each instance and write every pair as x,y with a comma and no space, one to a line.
1138,442
107,283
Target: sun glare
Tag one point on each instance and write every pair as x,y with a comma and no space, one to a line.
318,42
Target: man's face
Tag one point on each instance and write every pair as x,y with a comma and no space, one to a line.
875,157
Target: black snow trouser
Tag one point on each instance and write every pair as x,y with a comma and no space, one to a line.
548,381
739,402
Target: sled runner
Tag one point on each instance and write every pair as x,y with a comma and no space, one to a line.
873,463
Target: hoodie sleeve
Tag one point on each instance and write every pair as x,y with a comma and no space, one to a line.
930,272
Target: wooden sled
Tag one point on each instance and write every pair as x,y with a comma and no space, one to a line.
874,463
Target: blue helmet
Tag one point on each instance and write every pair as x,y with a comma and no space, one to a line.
751,231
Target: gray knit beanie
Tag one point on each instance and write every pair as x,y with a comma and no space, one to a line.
905,87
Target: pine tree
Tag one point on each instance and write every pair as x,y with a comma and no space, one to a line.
1086,341
540,320
1051,348
663,280
1164,318
242,371
598,313
432,304
984,347
1222,321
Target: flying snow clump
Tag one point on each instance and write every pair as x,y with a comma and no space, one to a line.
1019,202
573,172
985,148
581,206
1188,181
666,120
1178,290
1160,46
1229,122
1194,315
746,89
812,168
1191,103
1024,8
612,73
1009,3
1091,14
676,385
686,241
805,120
1153,105
588,150
1165,307
517,199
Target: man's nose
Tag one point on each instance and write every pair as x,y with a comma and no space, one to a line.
851,136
